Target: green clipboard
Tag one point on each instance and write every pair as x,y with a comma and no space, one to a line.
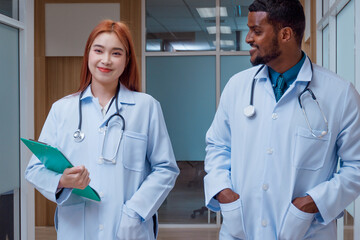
55,161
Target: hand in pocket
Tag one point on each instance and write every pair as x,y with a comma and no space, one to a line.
296,223
233,219
131,227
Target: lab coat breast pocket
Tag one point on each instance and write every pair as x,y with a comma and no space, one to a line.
233,218
310,152
70,222
134,152
295,224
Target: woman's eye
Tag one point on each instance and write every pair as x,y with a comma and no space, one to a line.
117,53
97,51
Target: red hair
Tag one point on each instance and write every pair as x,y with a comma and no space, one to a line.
130,77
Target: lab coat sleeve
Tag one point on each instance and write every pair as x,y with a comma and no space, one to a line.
333,196
44,180
218,154
164,171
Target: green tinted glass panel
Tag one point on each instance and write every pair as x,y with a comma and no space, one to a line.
9,102
325,39
10,8
345,42
185,87
231,65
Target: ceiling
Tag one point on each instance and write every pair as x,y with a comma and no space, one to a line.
171,24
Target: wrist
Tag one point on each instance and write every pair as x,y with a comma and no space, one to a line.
60,184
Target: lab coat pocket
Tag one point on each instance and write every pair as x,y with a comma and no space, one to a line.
233,218
310,152
70,221
295,224
134,151
131,227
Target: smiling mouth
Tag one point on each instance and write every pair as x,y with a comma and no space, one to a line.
105,70
252,50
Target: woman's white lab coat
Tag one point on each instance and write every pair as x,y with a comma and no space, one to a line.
132,190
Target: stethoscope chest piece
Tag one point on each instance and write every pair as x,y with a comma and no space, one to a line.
78,136
249,111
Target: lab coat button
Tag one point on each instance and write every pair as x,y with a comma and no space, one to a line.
101,227
264,223
270,151
100,161
265,187
274,116
101,194
101,130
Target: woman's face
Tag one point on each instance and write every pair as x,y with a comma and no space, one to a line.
107,59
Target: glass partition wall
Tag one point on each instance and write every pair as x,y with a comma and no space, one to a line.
9,148
345,67
190,50
338,51
16,93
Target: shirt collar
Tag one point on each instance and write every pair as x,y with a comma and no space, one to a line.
87,93
305,73
290,75
125,96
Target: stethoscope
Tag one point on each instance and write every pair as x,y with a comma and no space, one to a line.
79,135
249,111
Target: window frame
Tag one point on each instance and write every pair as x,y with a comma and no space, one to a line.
25,196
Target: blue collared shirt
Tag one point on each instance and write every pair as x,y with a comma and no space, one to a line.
289,76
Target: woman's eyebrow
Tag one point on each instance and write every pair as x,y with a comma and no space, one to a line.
115,48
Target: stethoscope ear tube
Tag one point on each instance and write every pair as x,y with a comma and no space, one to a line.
249,110
80,135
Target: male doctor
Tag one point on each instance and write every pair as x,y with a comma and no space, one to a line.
272,168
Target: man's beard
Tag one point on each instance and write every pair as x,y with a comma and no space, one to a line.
273,54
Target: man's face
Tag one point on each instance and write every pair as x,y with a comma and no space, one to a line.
262,38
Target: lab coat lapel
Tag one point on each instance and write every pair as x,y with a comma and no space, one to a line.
125,97
304,76
263,80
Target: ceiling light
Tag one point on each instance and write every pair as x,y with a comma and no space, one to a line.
225,43
187,46
211,12
223,30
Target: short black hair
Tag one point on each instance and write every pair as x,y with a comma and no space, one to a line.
283,13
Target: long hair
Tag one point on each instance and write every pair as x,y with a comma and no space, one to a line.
130,77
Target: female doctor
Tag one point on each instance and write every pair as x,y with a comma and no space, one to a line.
117,140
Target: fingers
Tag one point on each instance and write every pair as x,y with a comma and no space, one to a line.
84,179
74,170
227,196
75,177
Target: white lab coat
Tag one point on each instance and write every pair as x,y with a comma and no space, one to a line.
272,158
131,190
